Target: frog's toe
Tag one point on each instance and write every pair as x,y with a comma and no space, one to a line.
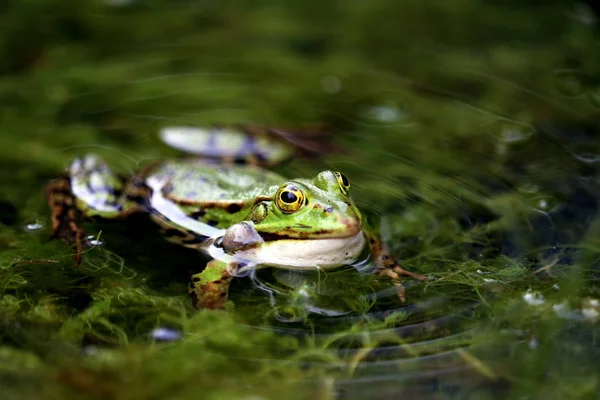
396,281
401,271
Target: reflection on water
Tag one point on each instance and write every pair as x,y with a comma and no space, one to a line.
413,348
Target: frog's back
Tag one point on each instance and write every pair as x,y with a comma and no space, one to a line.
199,182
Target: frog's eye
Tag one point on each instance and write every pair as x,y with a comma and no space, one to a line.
289,198
342,181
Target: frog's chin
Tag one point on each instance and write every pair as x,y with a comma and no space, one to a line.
305,253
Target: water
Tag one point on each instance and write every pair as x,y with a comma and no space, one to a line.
469,136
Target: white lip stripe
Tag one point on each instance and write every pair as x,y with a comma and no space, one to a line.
170,210
310,253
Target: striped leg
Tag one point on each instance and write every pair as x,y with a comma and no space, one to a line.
64,219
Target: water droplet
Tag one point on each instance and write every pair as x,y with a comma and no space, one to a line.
95,240
570,82
533,343
331,84
165,334
545,203
533,298
34,226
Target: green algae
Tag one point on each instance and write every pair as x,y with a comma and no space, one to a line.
469,134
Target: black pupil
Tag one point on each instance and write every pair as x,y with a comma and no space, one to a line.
288,197
344,180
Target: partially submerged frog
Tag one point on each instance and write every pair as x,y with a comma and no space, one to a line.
243,216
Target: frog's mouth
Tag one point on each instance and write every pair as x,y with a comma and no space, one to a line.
351,226
305,253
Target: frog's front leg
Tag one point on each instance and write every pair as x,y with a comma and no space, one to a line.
211,286
95,191
386,264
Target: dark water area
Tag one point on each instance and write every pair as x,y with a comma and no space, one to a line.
469,131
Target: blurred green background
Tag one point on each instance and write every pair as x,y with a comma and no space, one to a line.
470,136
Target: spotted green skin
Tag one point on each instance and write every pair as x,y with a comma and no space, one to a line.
195,202
224,195
220,196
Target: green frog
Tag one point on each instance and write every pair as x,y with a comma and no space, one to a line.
241,214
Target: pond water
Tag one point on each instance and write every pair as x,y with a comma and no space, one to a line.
468,130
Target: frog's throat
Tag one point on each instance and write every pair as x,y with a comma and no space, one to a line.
305,253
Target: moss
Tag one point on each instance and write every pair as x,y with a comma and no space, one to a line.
469,136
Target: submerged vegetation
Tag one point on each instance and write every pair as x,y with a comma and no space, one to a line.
470,134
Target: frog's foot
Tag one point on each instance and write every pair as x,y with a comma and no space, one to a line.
397,281
211,286
64,219
387,265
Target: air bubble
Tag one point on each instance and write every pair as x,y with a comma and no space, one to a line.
545,204
533,343
534,298
34,226
165,334
95,240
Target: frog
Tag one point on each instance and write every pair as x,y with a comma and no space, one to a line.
226,202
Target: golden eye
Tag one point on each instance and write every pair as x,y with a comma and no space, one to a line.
342,181
289,198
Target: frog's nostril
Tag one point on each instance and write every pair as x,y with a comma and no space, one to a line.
328,209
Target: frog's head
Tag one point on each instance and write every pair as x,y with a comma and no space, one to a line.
300,224
308,209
